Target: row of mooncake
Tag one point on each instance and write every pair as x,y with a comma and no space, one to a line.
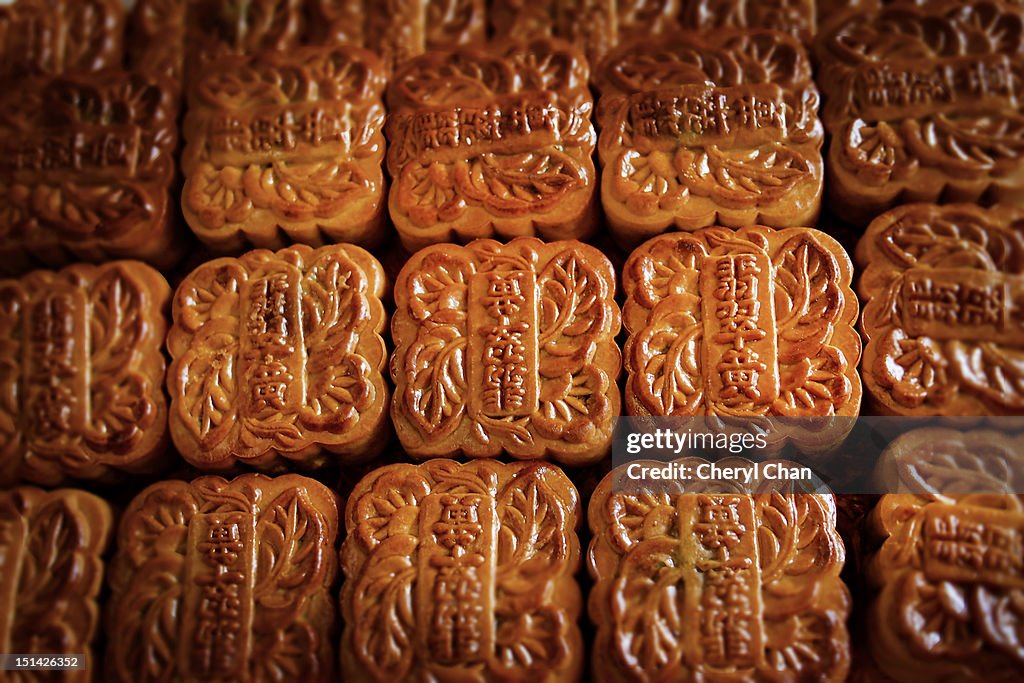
467,572
288,145
278,359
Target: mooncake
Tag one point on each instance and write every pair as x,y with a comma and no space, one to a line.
219,580
286,147
461,572
491,143
51,570
708,582
948,580
506,349
86,163
701,130
923,105
277,358
942,324
746,323
81,373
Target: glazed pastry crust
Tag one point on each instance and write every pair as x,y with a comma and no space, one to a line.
277,358
506,349
462,572
941,330
100,330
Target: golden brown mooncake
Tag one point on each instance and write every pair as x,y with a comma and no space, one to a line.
747,323
712,583
53,36
86,164
923,104
948,581
942,325
590,25
278,357
720,129
461,572
51,571
286,146
81,373
219,580
491,143
506,348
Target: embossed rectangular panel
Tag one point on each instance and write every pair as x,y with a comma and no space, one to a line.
724,614
88,163
461,571
697,114
269,161
943,319
51,570
965,544
218,614
455,587
945,571
494,142
951,303
744,322
923,104
503,343
506,349
59,35
240,573
708,129
737,307
704,585
278,357
106,152
81,352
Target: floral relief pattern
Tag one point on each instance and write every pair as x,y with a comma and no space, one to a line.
695,133
155,593
667,357
278,355
99,329
442,337
920,359
934,616
125,126
399,528
484,143
655,559
286,141
53,548
947,117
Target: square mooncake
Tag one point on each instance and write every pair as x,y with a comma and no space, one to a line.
458,572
